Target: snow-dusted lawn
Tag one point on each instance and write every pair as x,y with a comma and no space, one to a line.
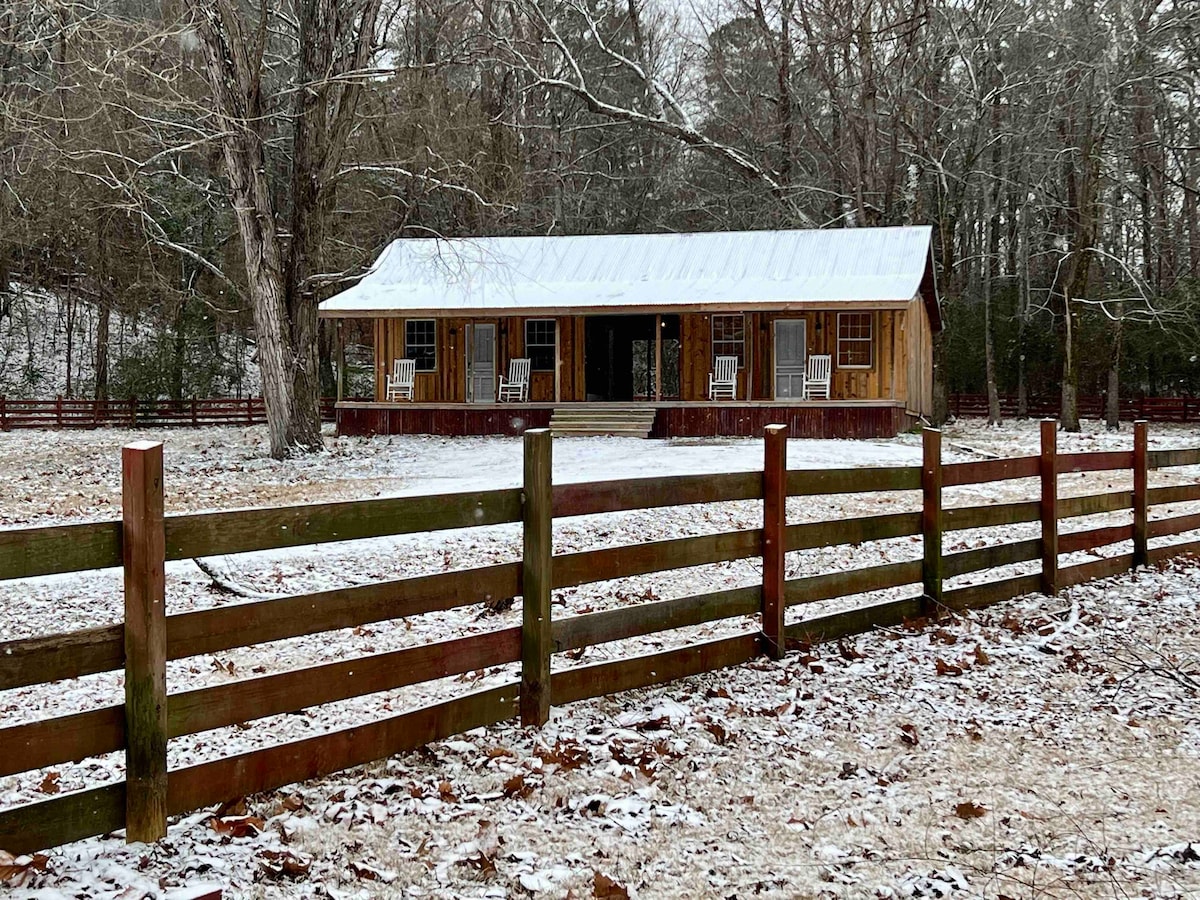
802,780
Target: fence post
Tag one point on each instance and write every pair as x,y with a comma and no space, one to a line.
194,419
3,414
58,411
931,520
133,412
536,563
143,545
1141,493
249,411
774,538
1049,474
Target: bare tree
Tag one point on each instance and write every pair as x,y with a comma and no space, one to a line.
335,41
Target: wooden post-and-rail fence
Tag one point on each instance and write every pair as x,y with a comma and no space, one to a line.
144,539
134,413
1150,409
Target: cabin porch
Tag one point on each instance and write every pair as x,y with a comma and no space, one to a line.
812,419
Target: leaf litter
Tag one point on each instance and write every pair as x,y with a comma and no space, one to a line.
1048,742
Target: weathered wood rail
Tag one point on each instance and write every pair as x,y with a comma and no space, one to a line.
1151,409
144,540
63,412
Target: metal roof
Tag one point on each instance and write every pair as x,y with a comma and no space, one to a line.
747,269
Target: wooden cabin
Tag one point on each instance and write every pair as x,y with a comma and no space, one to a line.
636,322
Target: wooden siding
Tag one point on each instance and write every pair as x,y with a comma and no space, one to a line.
901,357
449,383
880,381
917,364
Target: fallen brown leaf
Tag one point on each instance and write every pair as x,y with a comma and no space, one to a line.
237,826
15,871
283,864
364,872
516,787
945,668
606,888
969,810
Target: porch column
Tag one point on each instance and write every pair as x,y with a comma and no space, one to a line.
657,357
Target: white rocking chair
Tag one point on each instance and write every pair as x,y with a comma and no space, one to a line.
400,382
516,385
816,377
722,380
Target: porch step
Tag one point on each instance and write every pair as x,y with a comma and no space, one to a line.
634,421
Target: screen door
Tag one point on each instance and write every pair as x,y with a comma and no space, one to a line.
790,357
481,363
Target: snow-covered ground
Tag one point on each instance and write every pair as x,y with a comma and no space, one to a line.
1052,750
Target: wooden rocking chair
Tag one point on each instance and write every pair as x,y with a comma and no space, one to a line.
816,377
516,386
400,382
722,380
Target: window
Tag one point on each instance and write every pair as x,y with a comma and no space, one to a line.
729,337
539,344
854,340
420,343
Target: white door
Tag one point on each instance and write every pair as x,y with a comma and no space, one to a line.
790,357
481,363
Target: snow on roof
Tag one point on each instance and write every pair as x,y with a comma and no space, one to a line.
747,268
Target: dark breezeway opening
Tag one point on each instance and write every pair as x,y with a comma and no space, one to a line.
620,362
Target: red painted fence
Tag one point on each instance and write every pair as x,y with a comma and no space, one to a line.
134,413
1152,409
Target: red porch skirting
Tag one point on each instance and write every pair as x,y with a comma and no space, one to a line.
455,420
814,420
858,421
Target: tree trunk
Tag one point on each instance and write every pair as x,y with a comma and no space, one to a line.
103,325
1022,272
327,343
280,288
178,351
237,93
1069,417
941,393
1112,398
70,340
989,351
989,341
311,207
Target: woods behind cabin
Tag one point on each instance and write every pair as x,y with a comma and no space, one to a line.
1055,147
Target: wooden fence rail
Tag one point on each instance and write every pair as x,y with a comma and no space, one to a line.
1150,409
64,412
144,540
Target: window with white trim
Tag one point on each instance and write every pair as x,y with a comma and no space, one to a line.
855,340
420,343
540,343
729,337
